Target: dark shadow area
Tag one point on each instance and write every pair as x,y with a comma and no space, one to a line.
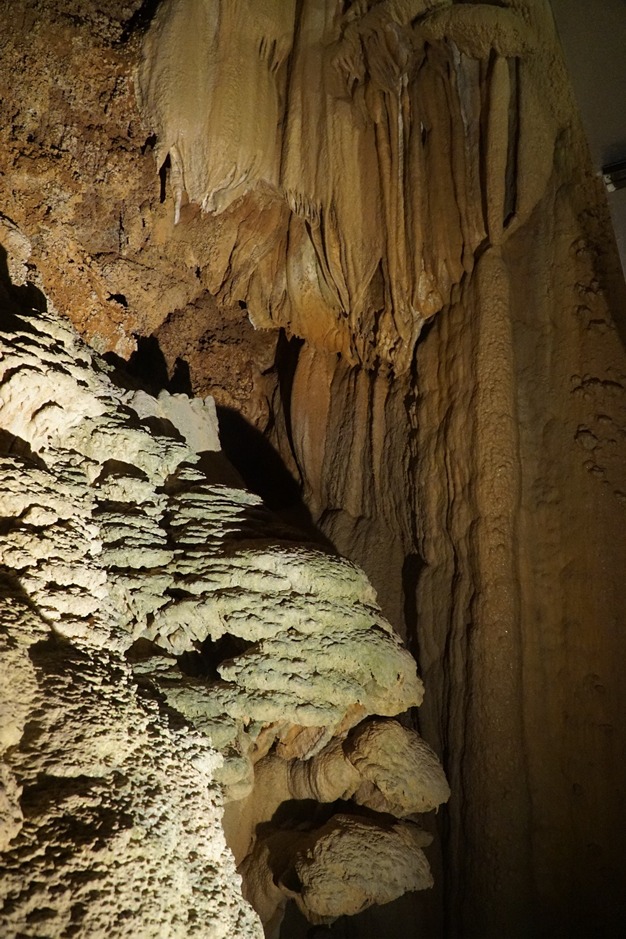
512,159
118,298
21,449
180,382
140,20
147,365
11,586
163,171
411,571
49,789
149,144
24,300
257,462
56,655
309,815
397,920
29,298
611,273
147,369
286,363
264,473
257,465
212,653
119,468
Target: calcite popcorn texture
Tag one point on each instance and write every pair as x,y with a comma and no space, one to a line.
400,193
168,647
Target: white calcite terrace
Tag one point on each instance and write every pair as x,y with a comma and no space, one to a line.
167,633
312,381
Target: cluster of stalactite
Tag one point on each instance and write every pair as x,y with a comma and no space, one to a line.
356,212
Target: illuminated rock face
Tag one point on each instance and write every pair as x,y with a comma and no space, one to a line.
147,595
110,820
364,200
399,194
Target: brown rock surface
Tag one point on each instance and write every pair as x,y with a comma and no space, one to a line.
164,633
404,186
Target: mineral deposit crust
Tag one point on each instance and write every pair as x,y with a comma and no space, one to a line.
409,217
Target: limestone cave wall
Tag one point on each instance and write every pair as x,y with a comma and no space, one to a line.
370,231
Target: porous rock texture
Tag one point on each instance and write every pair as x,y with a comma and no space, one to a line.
110,821
129,554
398,195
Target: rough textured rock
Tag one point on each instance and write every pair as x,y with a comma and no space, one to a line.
95,836
382,767
99,840
323,869
405,188
130,552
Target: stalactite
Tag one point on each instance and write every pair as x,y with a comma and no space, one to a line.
378,249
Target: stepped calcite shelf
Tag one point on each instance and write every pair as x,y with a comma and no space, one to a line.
130,552
366,241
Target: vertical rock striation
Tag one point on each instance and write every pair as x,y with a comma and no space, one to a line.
398,196
439,176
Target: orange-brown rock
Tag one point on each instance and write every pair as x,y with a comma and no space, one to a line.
400,193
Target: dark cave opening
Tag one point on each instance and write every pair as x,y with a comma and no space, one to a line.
251,453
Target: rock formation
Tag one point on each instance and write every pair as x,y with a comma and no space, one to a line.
147,594
371,229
